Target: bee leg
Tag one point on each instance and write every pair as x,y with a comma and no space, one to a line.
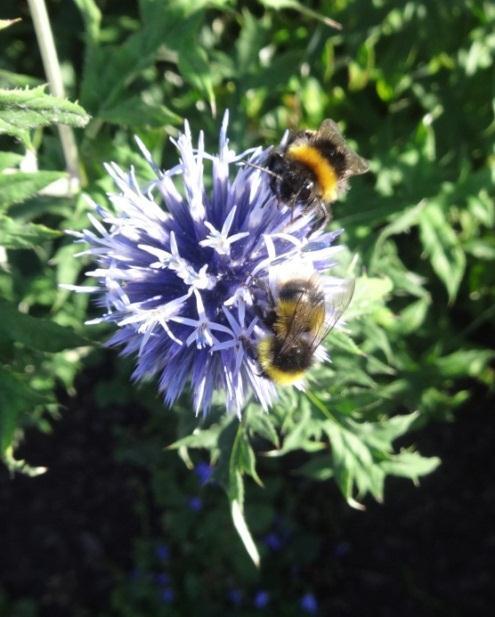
322,217
251,350
262,306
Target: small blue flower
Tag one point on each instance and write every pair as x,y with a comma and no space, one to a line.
167,595
162,552
235,596
273,541
176,265
342,549
136,574
261,599
195,504
162,579
203,472
309,604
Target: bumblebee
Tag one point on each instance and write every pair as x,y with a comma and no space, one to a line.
312,169
299,318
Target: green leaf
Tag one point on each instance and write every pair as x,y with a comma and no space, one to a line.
16,234
362,452
92,19
22,110
340,340
442,247
111,69
248,44
20,186
261,423
195,69
200,438
301,8
9,79
411,465
6,23
16,398
369,294
400,224
412,317
464,362
9,160
317,468
35,332
237,512
135,112
15,465
303,433
242,458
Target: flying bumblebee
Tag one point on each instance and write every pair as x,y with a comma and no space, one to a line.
300,317
312,169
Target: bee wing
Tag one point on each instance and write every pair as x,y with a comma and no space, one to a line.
329,130
335,307
355,164
303,315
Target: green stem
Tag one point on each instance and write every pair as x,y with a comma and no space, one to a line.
54,75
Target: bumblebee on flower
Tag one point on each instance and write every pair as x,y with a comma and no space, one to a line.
191,277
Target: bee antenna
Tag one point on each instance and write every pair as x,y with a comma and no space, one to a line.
260,167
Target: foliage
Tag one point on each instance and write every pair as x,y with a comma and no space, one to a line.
409,83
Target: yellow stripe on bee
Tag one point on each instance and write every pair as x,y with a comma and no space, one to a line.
285,315
282,378
311,157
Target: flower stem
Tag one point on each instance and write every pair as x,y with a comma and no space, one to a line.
54,75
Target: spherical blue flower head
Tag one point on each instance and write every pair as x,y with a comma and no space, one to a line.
177,265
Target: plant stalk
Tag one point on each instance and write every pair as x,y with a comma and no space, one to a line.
53,73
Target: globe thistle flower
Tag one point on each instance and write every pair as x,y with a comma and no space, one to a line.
176,263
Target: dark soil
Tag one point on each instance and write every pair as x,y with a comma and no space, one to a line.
430,550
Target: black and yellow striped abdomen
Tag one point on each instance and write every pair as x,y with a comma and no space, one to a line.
315,160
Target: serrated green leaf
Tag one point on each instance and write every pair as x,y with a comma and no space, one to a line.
442,247
200,438
16,398
410,465
16,234
303,433
9,79
35,332
360,449
19,186
262,424
30,108
242,458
